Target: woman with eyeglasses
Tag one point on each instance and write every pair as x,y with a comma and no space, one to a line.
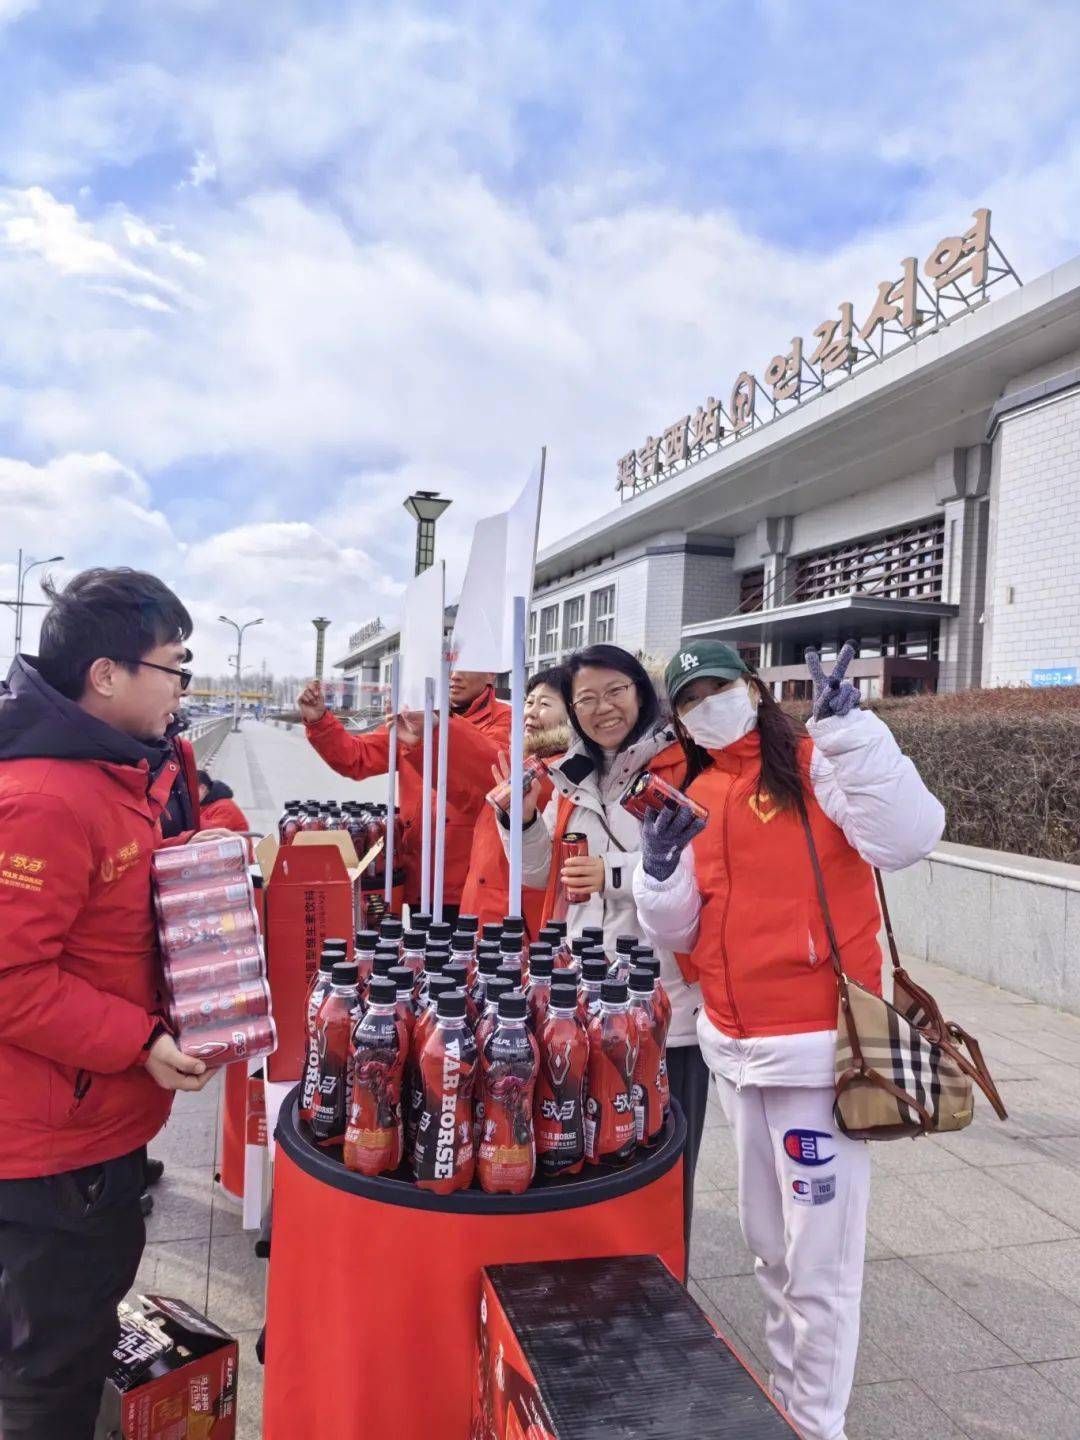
618,732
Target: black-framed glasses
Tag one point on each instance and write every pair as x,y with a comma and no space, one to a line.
184,676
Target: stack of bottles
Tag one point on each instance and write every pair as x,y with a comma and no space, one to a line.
365,823
460,1057
211,951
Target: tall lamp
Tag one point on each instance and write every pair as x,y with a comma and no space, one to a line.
425,506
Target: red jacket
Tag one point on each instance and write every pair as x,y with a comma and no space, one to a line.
219,811
762,954
79,974
362,756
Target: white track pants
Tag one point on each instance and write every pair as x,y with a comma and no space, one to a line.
803,1193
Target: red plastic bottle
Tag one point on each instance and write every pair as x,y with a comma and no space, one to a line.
559,1105
364,953
506,1158
540,976
425,1023
333,953
445,1157
374,1139
333,1041
613,1050
593,974
651,1068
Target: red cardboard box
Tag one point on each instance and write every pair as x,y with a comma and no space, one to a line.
575,1349
173,1376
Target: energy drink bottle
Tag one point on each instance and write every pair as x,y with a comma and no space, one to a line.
610,1135
650,1069
289,824
391,928
374,1139
487,966
445,1157
593,935
333,1035
470,924
573,843
463,950
406,1009
440,932
497,986
539,992
333,953
555,936
506,1158
425,1023
648,961
510,949
559,1106
413,947
420,920
435,962
492,932
593,975
364,953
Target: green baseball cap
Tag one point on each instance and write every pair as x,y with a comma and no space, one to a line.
698,658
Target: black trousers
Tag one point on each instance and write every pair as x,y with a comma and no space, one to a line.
689,1080
70,1245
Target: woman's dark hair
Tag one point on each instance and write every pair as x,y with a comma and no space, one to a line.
116,614
204,778
552,678
779,778
611,657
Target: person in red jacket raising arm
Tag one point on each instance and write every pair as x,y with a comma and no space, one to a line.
474,710
739,895
87,1064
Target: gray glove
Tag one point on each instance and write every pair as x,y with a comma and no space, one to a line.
665,834
833,695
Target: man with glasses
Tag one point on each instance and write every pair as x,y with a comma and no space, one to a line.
88,1065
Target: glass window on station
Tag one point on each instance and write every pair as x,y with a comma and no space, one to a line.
602,616
573,624
549,632
531,653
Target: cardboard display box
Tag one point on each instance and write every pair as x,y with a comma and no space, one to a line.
173,1376
591,1349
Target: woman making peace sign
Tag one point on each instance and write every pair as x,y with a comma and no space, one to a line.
740,897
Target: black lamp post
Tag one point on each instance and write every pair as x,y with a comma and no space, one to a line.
425,506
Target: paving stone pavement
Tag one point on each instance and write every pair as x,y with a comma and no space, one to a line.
971,1303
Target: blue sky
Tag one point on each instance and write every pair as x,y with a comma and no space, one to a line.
264,268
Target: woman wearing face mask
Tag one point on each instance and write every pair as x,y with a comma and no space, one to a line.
618,733
740,896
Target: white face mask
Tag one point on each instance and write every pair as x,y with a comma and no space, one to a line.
719,720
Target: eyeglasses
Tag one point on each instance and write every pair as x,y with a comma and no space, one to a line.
184,676
613,695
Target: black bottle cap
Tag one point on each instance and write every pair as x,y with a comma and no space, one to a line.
564,994
488,947
613,991
539,948
402,976
513,925
345,973
382,991
626,944
648,962
438,950
439,985
414,939
390,928
335,944
382,963
559,926
510,944
458,973
388,947
461,940
367,939
593,933
640,981
469,923
435,963
500,985
512,971
440,931
638,950
488,964
491,932
419,920
550,936
578,944
513,1006
328,959
594,969
451,1006
541,967
593,952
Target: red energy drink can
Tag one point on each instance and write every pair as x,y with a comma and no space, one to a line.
226,1041
573,843
242,1002
648,792
532,770
219,929
187,864
181,902
209,969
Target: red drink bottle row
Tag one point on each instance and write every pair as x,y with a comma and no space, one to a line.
374,1137
559,1110
445,1157
506,1158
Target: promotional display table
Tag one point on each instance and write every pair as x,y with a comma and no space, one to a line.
374,1292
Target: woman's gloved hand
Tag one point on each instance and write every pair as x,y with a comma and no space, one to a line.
833,695
665,834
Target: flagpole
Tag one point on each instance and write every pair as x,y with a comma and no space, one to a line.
517,753
440,790
391,781
425,821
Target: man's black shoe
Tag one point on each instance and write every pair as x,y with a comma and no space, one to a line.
154,1171
146,1204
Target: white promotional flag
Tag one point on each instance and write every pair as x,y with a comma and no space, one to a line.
501,563
422,634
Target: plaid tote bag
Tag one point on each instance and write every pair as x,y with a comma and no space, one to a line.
899,1067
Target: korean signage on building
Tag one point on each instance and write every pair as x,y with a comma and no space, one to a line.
954,279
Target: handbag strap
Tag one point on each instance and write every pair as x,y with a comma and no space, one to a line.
819,880
887,918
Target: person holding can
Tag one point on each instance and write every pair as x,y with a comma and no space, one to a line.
618,732
740,896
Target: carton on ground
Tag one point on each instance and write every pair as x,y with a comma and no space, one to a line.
577,1349
173,1376
308,896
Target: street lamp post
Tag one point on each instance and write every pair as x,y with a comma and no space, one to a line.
321,626
425,506
19,589
239,645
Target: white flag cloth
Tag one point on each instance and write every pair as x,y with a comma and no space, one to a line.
500,566
422,634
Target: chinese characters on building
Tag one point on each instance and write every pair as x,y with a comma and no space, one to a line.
955,277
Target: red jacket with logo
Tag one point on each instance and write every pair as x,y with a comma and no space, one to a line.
79,970
362,756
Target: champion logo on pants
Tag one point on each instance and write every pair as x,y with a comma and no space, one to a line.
805,1147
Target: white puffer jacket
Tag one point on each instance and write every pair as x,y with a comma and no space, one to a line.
597,797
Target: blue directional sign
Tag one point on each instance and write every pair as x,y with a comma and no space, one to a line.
1059,675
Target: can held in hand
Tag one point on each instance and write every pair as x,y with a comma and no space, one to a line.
181,902
648,792
247,1001
533,770
226,1041
217,928
573,843
206,970
188,864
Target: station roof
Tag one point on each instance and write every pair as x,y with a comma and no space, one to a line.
834,618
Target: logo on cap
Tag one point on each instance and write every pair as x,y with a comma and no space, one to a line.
689,662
